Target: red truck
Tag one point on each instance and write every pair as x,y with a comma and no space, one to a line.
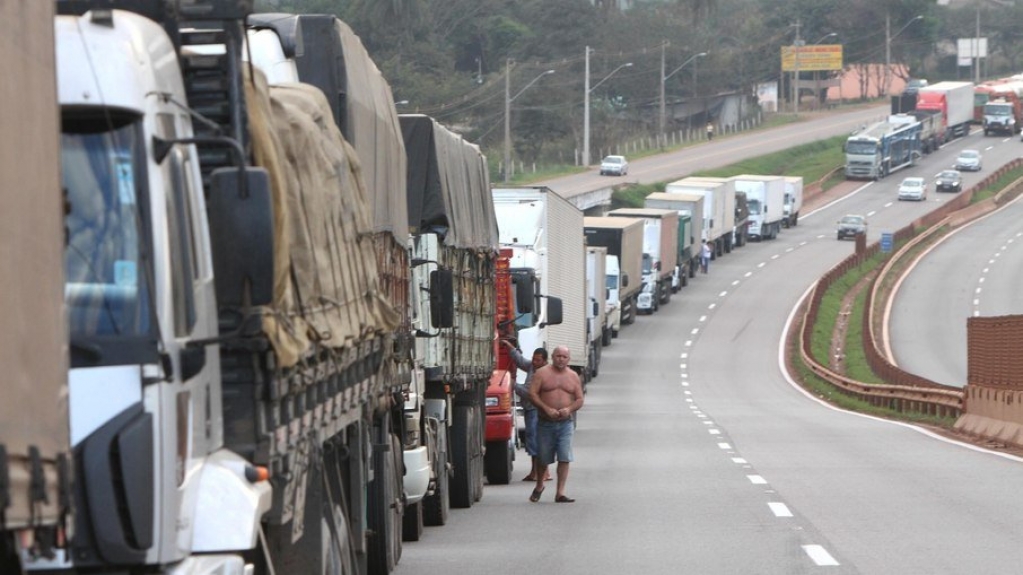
501,428
1003,112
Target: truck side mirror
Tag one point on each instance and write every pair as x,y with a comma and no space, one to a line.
554,316
625,280
596,308
241,234
524,294
442,298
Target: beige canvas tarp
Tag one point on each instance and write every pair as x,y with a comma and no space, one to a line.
326,281
33,341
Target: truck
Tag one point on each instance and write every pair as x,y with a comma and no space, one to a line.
453,244
623,238
1003,112
932,128
598,323
685,204
688,249
35,450
235,312
766,198
660,253
323,51
740,229
545,233
718,209
953,101
793,201
880,149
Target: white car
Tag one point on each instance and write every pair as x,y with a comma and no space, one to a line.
913,189
614,166
968,160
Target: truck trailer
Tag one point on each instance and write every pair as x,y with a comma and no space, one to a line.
35,452
623,238
545,234
953,101
660,253
718,208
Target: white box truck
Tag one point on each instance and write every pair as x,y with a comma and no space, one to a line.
545,233
598,325
793,200
623,238
660,253
766,198
718,208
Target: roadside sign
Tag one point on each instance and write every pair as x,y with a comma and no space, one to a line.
813,58
886,242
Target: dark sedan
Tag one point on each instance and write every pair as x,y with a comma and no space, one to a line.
851,225
949,181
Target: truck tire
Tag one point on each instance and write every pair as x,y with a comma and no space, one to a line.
437,505
324,545
498,462
462,481
385,506
605,337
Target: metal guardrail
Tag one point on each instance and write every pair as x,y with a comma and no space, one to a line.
904,392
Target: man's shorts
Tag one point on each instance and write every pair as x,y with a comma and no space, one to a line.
554,440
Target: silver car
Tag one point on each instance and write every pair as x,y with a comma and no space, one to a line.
614,166
913,188
968,160
851,226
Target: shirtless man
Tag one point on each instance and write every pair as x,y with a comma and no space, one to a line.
557,393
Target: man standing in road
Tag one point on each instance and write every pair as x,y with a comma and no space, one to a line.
528,409
557,393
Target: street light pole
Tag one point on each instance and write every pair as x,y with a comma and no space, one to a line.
795,83
888,37
507,112
665,79
586,102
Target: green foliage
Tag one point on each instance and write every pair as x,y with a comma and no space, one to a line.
633,196
812,161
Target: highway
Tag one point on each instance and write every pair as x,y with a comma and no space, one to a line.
975,271
696,452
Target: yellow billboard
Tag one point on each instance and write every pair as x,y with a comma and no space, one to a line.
814,58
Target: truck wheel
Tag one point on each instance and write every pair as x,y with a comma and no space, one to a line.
437,505
412,522
462,482
614,333
605,337
498,462
385,507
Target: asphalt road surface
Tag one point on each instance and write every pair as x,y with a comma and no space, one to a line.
696,453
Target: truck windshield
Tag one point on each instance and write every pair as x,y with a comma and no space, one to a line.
997,110
103,171
861,148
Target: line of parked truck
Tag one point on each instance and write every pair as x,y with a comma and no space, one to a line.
282,301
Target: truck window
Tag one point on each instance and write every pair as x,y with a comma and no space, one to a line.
107,279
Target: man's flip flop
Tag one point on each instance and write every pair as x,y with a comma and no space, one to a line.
535,496
563,499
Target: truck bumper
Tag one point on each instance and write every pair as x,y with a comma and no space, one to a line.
500,426
417,474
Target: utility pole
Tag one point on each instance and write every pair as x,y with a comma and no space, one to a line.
887,53
507,120
976,50
660,123
586,112
796,82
